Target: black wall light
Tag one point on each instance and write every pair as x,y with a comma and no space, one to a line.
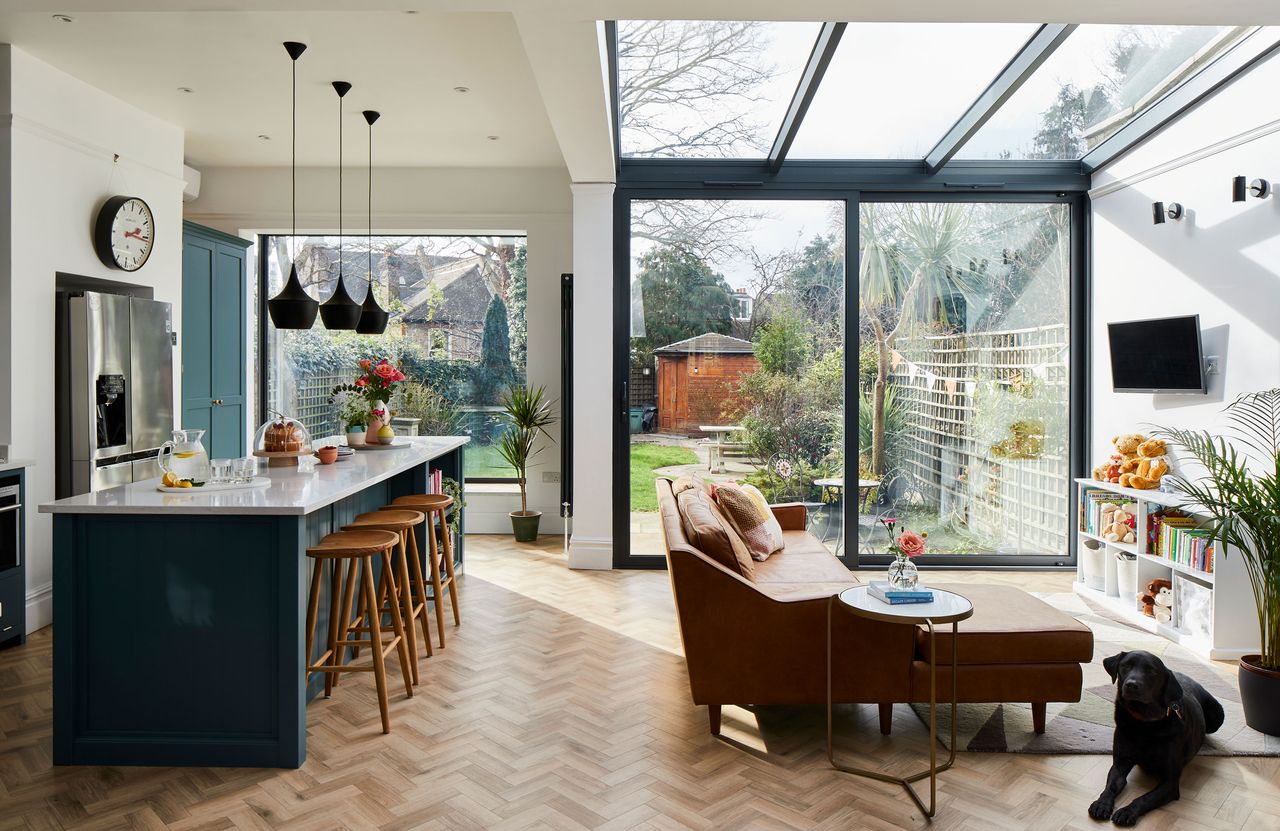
1242,188
1159,211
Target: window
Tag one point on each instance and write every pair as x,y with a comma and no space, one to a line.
457,329
707,88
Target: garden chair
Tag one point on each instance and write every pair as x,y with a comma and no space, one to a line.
788,482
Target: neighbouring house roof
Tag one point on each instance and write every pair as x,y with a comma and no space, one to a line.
708,342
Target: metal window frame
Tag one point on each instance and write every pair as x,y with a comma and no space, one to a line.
1020,68
1246,53
647,181
824,49
264,324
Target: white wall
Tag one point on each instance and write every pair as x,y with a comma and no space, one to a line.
535,201
1222,261
61,135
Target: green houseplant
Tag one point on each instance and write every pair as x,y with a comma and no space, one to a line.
1238,486
528,412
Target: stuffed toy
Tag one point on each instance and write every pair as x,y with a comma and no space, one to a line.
1124,460
1149,468
1154,590
1119,525
1162,609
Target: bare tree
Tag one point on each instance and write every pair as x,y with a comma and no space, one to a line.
686,87
770,276
707,229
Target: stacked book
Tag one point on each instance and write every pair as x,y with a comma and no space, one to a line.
882,590
1091,504
1192,547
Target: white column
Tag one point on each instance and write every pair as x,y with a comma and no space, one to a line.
591,545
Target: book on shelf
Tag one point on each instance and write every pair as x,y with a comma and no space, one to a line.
1093,502
1174,536
882,590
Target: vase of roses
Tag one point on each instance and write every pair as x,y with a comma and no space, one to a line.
905,546
374,384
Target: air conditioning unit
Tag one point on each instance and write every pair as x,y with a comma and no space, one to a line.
190,183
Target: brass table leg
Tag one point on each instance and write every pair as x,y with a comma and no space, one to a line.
934,769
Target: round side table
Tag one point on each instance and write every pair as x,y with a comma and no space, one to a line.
947,607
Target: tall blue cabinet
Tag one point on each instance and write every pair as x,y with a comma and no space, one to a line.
215,282
13,532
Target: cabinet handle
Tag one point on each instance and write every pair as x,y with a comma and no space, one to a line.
217,402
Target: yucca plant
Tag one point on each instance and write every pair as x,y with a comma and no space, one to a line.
528,413
1238,487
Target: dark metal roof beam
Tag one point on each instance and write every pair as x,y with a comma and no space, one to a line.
823,49
1252,49
1034,53
615,106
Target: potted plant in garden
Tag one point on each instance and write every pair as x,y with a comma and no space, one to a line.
528,413
1238,487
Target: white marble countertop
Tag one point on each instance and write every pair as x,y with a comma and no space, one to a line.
14,464
293,491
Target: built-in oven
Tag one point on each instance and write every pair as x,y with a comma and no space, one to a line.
10,528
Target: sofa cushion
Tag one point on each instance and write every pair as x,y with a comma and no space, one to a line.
803,560
710,532
752,520
1010,626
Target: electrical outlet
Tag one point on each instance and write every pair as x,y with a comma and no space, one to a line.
551,477
1212,365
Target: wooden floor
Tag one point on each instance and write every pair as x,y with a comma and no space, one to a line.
562,703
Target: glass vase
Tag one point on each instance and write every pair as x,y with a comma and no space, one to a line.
903,574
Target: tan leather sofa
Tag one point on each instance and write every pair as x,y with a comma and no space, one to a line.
763,640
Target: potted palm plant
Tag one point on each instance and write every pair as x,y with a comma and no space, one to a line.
1238,486
528,413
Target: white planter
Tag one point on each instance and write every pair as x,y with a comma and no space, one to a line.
1094,555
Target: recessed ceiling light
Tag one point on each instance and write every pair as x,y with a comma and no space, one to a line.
185,90
264,137
410,11
493,138
462,90
64,18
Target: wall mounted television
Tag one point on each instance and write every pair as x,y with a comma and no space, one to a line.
1157,356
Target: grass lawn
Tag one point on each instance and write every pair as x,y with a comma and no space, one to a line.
485,463
645,459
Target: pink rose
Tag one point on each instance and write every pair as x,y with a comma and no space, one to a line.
362,382
399,376
366,363
911,544
385,370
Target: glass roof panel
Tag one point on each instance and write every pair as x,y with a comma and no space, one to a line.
893,90
1095,83
702,89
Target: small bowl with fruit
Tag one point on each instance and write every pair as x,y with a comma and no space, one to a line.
327,454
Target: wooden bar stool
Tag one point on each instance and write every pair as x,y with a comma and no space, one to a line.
433,505
352,552
398,586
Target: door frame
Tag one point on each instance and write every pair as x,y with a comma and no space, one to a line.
1050,190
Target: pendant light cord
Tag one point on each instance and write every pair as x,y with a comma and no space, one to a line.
293,159
340,285
371,210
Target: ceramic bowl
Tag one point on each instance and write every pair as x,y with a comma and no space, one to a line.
327,455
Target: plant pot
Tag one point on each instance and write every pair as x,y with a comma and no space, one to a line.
524,524
355,438
1259,692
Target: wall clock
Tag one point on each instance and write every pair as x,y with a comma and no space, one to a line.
124,233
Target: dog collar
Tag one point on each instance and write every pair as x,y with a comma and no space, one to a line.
1173,709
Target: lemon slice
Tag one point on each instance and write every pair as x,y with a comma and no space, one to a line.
169,480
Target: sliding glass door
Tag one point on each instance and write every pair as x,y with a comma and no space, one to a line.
948,400
964,359
735,354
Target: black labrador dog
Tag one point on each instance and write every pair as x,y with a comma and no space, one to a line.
1162,718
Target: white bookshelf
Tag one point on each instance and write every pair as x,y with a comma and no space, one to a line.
1230,627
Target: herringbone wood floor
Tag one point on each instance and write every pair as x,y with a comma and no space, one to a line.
562,703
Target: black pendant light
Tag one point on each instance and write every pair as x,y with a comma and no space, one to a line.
340,311
293,308
373,318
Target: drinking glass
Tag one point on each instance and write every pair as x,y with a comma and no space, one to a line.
220,470
245,469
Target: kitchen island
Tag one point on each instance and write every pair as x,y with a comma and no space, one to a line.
179,617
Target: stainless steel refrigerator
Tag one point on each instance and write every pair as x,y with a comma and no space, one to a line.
119,395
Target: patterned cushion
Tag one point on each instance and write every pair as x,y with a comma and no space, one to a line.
751,518
707,528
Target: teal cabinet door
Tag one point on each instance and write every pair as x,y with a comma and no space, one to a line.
214,338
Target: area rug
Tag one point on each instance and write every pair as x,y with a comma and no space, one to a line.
1086,726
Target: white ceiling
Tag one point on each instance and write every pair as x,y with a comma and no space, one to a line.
404,65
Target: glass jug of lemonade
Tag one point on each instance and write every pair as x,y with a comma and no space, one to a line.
184,457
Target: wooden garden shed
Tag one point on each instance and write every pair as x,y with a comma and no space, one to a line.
698,381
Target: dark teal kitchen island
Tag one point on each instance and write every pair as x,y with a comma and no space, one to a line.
178,619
